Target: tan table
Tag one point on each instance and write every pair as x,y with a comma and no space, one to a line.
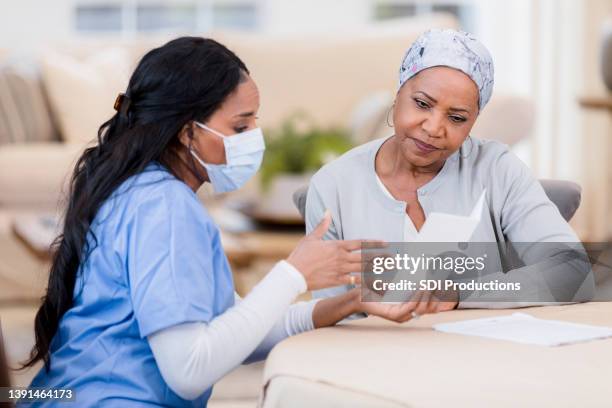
374,363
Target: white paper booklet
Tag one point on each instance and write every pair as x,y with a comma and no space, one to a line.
526,329
441,227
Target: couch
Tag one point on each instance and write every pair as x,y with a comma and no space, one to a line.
49,114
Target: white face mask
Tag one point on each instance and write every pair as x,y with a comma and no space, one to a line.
243,153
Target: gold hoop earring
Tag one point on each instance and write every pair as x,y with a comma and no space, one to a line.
388,112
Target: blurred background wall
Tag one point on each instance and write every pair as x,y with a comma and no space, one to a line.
545,50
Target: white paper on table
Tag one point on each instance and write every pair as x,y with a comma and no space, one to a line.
441,227
526,329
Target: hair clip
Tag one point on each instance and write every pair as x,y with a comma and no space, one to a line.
122,103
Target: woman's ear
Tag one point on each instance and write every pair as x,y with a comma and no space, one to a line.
186,134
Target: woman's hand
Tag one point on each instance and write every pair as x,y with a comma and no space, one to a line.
327,263
329,311
422,302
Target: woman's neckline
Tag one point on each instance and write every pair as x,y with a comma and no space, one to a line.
424,190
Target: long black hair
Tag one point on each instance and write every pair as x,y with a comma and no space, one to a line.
184,80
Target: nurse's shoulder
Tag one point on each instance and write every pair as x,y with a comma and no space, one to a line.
154,192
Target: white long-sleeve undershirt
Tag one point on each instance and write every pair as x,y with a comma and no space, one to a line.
193,356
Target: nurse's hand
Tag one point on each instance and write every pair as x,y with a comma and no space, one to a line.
327,263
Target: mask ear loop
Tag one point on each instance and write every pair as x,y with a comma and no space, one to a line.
194,168
211,130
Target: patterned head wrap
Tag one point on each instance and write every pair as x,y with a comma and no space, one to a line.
454,49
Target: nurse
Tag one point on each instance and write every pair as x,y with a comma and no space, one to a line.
140,308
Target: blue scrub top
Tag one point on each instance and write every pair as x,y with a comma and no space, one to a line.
158,262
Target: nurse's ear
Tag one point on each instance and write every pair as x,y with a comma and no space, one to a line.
186,134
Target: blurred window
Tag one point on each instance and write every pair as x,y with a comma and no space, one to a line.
98,18
447,8
386,11
165,18
461,9
131,16
237,15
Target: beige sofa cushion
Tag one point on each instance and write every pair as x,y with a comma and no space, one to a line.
11,125
507,118
24,112
34,174
82,91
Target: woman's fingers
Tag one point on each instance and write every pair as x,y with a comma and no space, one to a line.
402,312
387,311
433,304
421,302
445,306
415,298
422,307
409,310
413,302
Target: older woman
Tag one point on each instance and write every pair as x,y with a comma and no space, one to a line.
386,189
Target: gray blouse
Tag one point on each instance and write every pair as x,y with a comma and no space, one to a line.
517,210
